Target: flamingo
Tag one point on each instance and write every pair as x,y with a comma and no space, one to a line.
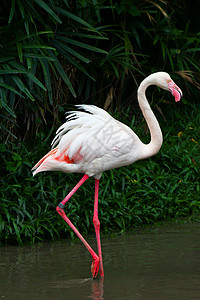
92,141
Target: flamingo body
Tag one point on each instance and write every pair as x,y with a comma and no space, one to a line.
92,141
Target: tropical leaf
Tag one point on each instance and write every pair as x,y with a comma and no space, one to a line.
44,6
64,77
76,18
6,86
82,45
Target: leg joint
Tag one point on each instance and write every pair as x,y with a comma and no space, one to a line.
96,222
61,205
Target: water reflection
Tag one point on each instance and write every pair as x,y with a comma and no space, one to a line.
97,289
161,263
69,283
96,286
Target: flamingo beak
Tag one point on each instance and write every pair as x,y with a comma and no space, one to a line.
175,90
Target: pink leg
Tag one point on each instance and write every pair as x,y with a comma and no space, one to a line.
59,208
97,225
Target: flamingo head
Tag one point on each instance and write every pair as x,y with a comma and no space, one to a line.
175,90
164,81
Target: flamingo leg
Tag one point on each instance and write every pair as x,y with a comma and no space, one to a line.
59,208
97,225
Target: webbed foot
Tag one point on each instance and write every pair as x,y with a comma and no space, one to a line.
95,267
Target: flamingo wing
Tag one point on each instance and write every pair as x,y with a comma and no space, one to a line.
86,137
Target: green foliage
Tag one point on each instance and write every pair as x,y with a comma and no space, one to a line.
53,53
43,48
160,188
93,51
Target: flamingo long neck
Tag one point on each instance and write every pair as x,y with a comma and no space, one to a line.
156,135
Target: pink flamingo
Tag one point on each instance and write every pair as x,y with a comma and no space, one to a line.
92,141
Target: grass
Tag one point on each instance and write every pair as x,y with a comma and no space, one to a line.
164,187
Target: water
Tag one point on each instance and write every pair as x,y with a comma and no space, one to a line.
157,264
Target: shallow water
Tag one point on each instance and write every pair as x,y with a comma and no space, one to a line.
158,263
